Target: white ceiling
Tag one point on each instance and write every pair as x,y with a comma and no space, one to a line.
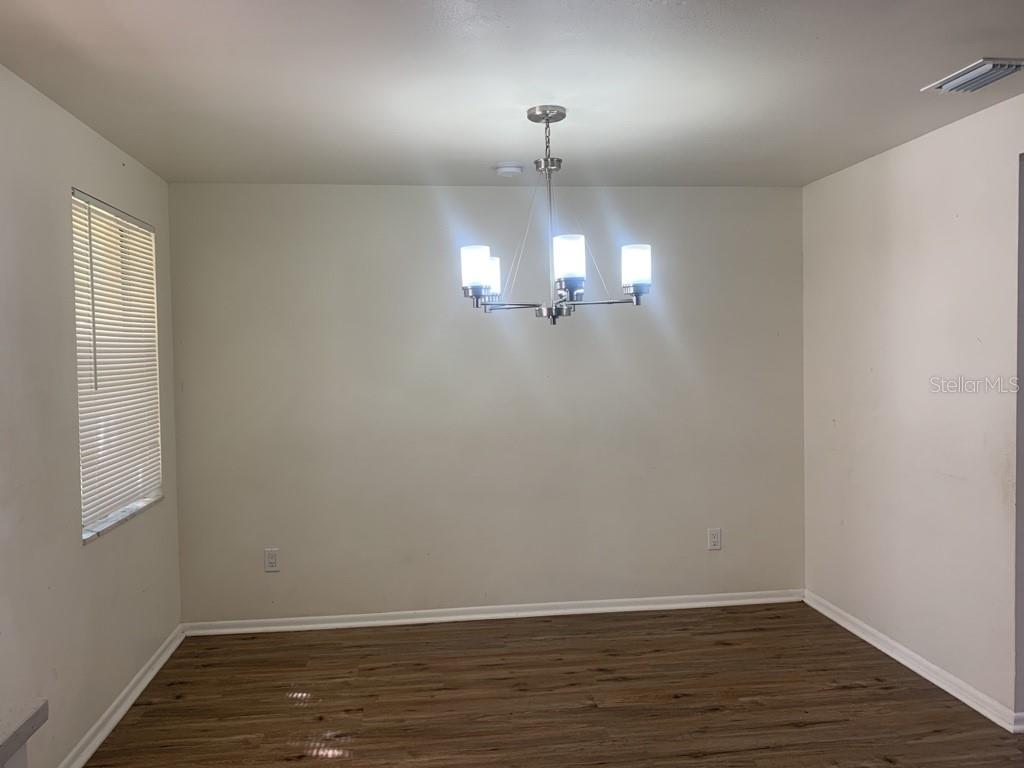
688,92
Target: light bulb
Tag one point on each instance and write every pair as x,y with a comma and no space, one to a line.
636,265
475,265
570,256
493,279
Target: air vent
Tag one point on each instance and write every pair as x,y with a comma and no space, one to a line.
975,77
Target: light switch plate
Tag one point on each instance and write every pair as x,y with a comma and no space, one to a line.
271,563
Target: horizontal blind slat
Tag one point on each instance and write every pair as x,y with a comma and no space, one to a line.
124,479
120,478
120,420
123,464
115,439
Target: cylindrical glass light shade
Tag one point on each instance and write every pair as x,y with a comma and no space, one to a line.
475,265
493,281
636,265
570,256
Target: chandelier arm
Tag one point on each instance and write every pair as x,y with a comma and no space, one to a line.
598,270
496,307
593,261
513,268
600,302
513,271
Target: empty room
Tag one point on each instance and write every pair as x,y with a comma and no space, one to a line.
511,383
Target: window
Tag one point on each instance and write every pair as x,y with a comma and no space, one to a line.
118,366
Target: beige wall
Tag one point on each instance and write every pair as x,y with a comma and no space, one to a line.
339,399
910,272
76,622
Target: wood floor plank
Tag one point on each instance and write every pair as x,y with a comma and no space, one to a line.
776,686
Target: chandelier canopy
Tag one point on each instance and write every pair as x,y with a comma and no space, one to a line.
567,255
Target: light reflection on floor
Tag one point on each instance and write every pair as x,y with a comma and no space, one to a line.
325,746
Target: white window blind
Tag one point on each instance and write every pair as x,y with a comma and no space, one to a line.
118,364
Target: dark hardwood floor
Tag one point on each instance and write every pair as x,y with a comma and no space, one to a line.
776,686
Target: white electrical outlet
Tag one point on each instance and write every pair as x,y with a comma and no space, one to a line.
270,561
714,539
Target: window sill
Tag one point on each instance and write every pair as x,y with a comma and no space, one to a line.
110,522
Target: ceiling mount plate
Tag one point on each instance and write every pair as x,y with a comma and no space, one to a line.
546,113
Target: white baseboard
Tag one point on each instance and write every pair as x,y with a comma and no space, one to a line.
438,615
951,684
80,755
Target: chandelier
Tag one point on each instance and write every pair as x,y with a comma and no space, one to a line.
567,255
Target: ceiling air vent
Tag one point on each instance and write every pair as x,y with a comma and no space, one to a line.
975,77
